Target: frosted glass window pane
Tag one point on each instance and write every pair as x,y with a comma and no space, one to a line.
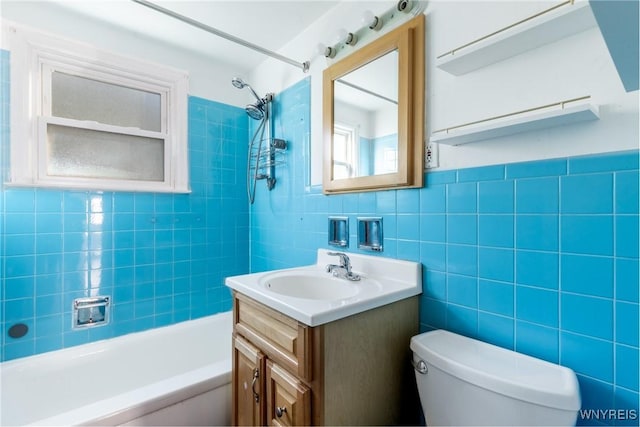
94,154
80,98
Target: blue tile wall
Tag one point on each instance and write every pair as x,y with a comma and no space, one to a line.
27,283
286,226
162,258
539,257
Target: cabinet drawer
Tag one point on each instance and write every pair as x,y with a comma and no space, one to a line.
280,337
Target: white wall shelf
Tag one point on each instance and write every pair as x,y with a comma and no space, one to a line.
563,20
557,114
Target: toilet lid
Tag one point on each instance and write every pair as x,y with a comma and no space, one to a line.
499,370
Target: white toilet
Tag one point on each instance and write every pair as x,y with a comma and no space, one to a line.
462,381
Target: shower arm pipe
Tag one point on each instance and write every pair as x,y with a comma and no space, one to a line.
304,66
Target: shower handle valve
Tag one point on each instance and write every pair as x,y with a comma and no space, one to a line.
271,183
279,144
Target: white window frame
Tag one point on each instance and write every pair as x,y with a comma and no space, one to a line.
353,149
35,56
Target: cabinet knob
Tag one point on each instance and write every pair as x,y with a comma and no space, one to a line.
280,411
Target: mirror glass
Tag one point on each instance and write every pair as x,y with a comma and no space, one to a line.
373,114
365,126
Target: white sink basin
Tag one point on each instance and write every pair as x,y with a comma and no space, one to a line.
311,285
312,296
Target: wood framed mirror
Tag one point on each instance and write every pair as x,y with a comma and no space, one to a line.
373,114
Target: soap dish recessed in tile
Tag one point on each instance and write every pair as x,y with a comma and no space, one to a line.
339,231
370,236
90,311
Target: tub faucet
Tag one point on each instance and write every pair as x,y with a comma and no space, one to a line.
344,269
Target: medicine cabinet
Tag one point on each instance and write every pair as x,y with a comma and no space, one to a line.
373,114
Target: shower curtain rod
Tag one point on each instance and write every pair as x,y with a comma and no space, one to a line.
367,91
304,66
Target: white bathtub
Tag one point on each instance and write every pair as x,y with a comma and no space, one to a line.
175,375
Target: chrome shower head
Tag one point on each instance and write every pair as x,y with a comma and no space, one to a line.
240,84
255,111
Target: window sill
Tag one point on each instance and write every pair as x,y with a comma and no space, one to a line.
87,185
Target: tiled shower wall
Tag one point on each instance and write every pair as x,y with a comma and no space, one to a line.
162,258
540,257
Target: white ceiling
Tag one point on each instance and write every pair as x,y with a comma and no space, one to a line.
269,24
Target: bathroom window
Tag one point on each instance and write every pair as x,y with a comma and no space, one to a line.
95,120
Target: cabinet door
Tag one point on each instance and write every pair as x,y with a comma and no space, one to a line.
248,398
288,400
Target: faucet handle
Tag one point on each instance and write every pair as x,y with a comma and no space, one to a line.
344,258
345,265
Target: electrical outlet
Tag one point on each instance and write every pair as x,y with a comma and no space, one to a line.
431,155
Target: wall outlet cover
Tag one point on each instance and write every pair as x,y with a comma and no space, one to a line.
431,155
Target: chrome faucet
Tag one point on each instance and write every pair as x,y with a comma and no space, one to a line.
344,269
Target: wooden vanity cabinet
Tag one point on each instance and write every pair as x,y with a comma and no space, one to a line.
352,371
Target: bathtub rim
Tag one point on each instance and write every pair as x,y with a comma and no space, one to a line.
154,396
97,345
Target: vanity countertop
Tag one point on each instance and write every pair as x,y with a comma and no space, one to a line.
313,296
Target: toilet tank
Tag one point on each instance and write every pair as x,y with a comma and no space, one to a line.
469,382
